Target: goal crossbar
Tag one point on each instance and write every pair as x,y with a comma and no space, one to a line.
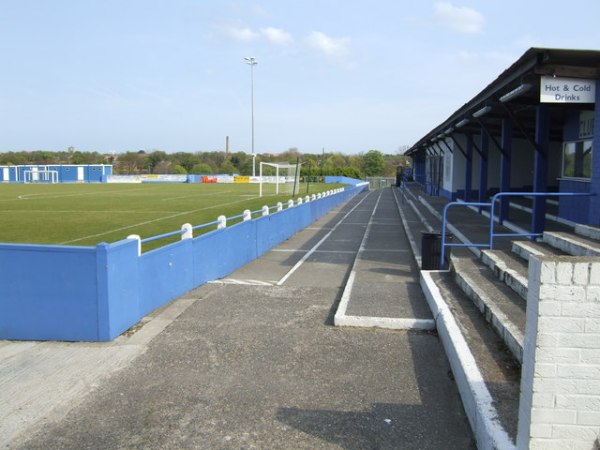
294,178
40,176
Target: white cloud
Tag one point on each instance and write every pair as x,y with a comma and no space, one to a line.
459,18
244,34
277,35
336,47
336,50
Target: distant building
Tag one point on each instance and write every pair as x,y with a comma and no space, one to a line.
55,173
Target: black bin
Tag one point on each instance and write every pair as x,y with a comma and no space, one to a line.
431,251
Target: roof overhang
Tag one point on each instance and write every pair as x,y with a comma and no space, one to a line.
515,94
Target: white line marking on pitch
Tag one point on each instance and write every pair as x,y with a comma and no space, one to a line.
150,221
79,211
203,194
44,196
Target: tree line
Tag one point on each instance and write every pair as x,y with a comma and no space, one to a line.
371,163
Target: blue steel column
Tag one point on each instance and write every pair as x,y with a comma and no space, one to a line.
469,169
540,168
594,213
505,169
483,167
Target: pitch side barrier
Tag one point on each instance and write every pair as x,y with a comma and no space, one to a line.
96,293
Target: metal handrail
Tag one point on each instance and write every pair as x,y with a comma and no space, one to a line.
278,207
444,244
161,236
205,225
525,194
491,204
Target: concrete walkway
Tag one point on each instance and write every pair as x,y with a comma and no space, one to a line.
253,361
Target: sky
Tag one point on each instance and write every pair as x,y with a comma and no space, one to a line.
336,75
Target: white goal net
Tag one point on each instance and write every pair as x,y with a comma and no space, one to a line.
279,178
40,176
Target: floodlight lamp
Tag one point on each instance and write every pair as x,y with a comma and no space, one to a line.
481,112
517,92
462,123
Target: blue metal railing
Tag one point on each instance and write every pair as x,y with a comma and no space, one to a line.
244,216
492,206
444,244
205,225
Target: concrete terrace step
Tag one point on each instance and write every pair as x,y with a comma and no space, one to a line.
430,220
588,231
476,351
509,268
524,249
492,405
501,307
412,223
572,244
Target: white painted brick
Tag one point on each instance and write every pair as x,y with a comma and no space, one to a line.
580,371
578,402
587,387
541,430
549,444
540,400
584,445
558,355
556,386
549,308
547,292
553,416
547,339
587,309
592,326
579,340
548,272
564,273
593,293
595,274
570,293
562,324
545,370
577,433
562,347
589,418
580,273
590,356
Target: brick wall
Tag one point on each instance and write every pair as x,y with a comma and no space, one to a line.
560,382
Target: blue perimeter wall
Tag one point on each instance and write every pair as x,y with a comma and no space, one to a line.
96,293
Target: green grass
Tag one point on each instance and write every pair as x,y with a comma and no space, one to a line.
86,214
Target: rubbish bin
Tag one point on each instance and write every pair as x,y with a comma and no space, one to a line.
431,251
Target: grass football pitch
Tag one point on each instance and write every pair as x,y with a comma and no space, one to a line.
87,214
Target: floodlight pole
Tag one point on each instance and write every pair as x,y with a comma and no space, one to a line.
251,61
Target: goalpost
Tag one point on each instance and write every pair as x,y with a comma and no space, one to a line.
285,180
40,176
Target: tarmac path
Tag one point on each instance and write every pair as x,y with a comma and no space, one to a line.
254,361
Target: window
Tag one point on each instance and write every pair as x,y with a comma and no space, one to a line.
577,159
